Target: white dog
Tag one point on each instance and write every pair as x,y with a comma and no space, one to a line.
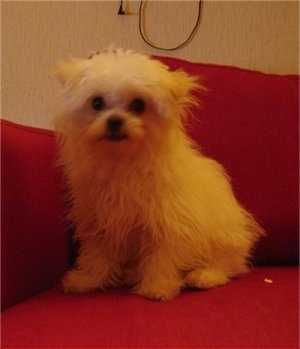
150,211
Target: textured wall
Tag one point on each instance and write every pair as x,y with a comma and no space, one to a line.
260,35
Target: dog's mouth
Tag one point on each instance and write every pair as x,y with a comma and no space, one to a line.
116,137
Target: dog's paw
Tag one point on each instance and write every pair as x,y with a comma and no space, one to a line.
76,281
160,290
206,278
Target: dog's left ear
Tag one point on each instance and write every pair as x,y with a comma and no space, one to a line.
182,85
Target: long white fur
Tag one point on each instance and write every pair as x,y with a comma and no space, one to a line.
150,211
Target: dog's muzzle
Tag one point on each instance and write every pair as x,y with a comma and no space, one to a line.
114,125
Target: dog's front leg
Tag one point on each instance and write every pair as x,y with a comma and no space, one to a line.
95,269
159,276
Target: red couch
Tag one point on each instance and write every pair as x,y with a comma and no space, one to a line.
248,121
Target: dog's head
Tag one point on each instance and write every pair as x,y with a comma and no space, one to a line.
118,100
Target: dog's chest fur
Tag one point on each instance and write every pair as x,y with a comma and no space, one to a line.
116,201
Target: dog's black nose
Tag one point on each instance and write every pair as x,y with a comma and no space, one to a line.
114,123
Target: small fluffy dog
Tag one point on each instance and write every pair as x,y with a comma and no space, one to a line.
150,211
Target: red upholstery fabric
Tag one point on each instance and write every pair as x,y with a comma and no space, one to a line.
249,122
245,313
34,242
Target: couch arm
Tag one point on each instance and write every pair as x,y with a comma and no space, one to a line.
34,239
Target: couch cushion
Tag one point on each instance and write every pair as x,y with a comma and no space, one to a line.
34,241
248,312
248,121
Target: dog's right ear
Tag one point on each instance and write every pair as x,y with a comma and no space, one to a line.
68,72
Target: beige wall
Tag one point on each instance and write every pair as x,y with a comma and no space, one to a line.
260,35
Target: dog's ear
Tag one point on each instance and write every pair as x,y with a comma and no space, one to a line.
68,72
182,85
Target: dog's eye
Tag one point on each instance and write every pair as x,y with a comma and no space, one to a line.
138,106
98,103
